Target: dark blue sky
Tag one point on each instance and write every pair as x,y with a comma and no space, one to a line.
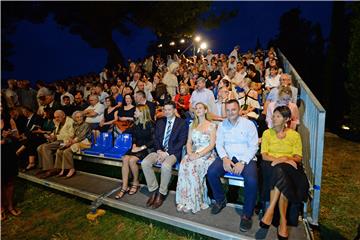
48,52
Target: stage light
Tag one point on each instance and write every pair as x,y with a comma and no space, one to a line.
197,39
178,50
203,45
182,41
345,127
172,43
160,45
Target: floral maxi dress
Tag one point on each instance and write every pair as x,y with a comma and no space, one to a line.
191,190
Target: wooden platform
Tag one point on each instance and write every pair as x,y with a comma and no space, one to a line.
224,225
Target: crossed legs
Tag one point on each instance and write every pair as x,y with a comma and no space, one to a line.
276,197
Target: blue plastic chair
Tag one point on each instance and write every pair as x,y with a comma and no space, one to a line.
122,144
103,143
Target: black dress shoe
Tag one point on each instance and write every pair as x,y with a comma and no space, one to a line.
218,206
158,200
151,199
245,224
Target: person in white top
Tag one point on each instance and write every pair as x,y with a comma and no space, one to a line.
240,74
141,87
204,95
170,79
232,63
209,56
235,52
102,95
273,80
61,88
135,81
94,112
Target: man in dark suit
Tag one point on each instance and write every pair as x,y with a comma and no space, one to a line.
170,137
140,98
32,120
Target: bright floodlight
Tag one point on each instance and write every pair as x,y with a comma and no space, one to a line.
160,45
197,39
172,43
182,40
203,45
178,50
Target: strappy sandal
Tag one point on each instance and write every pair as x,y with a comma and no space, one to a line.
121,193
15,212
134,189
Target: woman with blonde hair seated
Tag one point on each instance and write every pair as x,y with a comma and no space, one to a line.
142,141
191,190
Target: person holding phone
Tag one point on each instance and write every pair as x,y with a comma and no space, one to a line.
236,144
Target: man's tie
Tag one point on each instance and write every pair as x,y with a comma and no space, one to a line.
167,136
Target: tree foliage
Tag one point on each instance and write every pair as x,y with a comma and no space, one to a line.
353,67
303,44
95,22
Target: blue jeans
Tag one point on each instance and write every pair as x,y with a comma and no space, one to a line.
249,173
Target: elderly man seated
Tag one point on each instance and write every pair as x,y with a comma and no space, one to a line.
63,132
94,112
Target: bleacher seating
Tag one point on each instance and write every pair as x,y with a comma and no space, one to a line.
102,144
121,145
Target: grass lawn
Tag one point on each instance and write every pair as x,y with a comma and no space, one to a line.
49,214
340,196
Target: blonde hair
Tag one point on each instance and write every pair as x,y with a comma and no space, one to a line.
145,116
195,123
185,86
285,91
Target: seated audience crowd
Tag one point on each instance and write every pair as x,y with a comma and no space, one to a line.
220,110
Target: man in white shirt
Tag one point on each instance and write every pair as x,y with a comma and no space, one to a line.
240,74
61,88
236,144
204,95
94,112
232,63
141,87
135,81
102,95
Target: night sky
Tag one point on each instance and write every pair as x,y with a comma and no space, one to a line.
48,52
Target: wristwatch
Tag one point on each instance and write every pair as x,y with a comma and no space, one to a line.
242,162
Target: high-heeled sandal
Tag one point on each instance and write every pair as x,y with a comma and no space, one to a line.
134,189
121,193
264,225
281,237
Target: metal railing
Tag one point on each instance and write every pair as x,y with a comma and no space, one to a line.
311,129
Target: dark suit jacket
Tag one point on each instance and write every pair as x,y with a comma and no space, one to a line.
177,139
35,120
